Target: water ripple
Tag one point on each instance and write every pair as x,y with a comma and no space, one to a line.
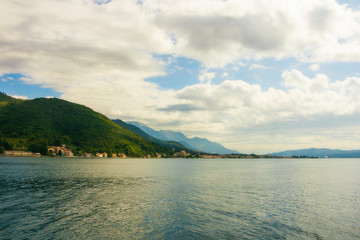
177,199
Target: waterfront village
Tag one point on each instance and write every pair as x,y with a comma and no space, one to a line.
62,151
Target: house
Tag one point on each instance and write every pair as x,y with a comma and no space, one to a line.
114,155
122,155
52,151
181,154
68,153
62,151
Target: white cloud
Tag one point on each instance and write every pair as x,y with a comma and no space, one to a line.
295,79
218,34
178,68
26,79
20,97
62,44
224,75
229,30
314,67
206,77
5,79
304,97
235,107
258,66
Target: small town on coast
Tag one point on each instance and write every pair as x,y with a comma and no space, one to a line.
62,151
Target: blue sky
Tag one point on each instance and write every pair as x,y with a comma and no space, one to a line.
183,72
12,84
257,76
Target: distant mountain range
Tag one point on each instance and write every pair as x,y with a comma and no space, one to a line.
165,143
196,143
319,152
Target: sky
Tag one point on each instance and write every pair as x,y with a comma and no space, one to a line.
257,76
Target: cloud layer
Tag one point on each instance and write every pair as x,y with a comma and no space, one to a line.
100,53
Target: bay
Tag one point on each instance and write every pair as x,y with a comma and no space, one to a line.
72,198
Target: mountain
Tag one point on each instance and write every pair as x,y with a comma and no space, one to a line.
177,146
198,144
34,124
148,130
319,152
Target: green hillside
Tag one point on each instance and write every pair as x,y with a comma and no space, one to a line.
6,99
34,124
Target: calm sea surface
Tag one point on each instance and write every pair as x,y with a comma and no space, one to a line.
62,198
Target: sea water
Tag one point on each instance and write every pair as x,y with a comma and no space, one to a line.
72,198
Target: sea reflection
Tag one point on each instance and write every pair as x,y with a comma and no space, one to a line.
72,204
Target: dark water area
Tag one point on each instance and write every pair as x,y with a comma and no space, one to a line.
44,198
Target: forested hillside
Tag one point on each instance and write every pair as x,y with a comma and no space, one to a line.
35,124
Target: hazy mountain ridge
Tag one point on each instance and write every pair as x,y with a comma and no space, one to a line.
320,152
196,143
166,143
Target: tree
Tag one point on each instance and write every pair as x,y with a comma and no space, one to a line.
66,140
39,147
5,144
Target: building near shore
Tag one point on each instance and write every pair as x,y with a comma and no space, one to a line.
102,155
62,151
21,153
181,154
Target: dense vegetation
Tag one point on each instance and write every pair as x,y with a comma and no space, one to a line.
6,99
35,124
